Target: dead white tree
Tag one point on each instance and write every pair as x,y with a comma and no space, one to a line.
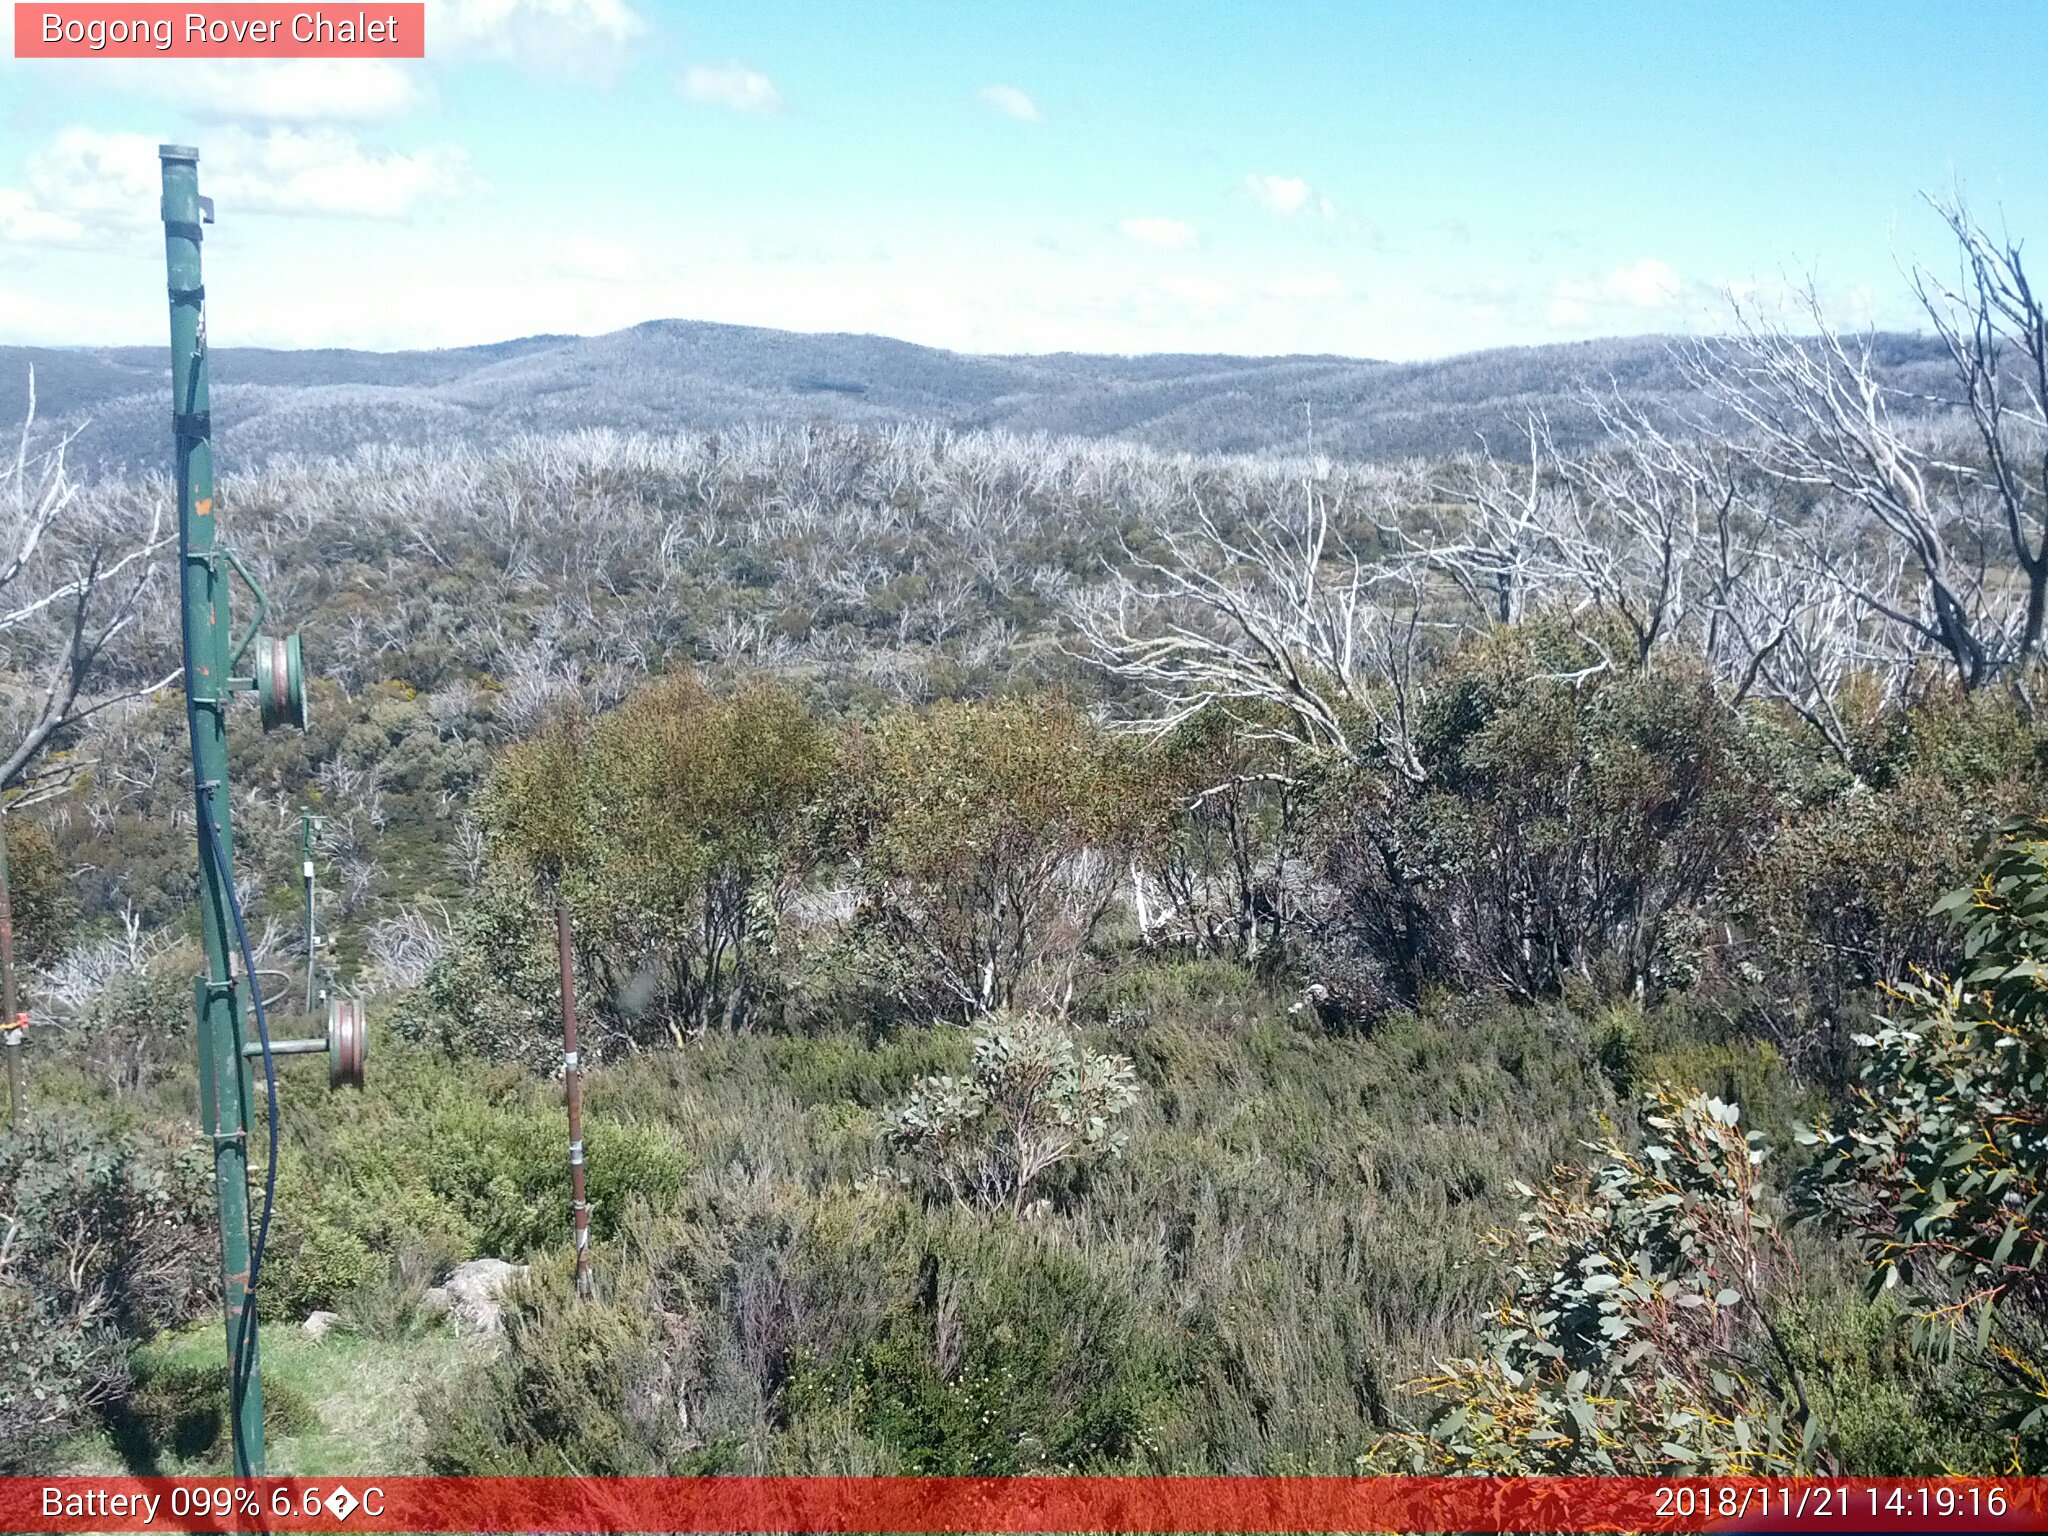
1996,330
1645,530
403,948
1967,578
1792,633
76,573
1504,556
1294,634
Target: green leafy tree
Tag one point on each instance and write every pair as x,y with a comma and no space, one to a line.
987,842
1843,896
537,806
705,832
1217,873
1571,822
1938,1162
678,829
44,906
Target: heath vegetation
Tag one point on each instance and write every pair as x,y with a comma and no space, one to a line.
1098,958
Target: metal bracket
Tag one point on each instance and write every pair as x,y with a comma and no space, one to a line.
256,619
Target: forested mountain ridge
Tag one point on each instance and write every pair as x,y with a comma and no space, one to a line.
676,374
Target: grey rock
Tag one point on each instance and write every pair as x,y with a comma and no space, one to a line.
319,1324
476,1291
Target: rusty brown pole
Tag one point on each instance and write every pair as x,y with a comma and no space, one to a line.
572,1084
10,1022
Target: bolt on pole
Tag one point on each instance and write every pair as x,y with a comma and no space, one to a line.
572,1087
225,1081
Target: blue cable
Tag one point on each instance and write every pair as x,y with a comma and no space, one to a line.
227,880
210,841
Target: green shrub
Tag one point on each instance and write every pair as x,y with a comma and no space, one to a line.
1236,817
41,898
1638,1337
1572,819
106,1240
495,991
1935,1164
755,1325
449,1160
1008,1356
676,827
1620,1049
182,1409
1035,1099
1892,1410
560,1400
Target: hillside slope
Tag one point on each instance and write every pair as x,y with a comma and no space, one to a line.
670,374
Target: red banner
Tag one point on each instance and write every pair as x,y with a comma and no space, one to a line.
260,30
948,1504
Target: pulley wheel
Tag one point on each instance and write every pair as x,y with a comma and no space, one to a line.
348,1042
280,681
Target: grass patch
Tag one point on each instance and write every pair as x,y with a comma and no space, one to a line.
343,1404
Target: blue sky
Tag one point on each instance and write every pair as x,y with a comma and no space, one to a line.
1377,179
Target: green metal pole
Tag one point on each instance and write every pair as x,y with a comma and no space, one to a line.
225,1082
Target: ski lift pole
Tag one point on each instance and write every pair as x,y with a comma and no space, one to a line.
226,1083
212,653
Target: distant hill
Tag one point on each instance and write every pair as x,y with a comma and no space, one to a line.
672,374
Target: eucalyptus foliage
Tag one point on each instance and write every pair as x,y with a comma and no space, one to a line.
1938,1161
1035,1099
1636,1338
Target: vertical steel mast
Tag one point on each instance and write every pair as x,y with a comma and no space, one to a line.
225,1080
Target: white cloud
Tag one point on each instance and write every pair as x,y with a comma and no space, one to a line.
96,179
1306,287
1196,291
23,223
326,171
1286,195
1167,234
85,184
1289,195
731,85
270,90
1566,312
549,35
605,261
1011,102
1648,284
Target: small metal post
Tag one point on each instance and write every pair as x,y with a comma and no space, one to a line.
307,821
10,1021
572,1084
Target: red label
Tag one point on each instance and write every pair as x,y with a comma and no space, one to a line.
239,31
1840,1506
